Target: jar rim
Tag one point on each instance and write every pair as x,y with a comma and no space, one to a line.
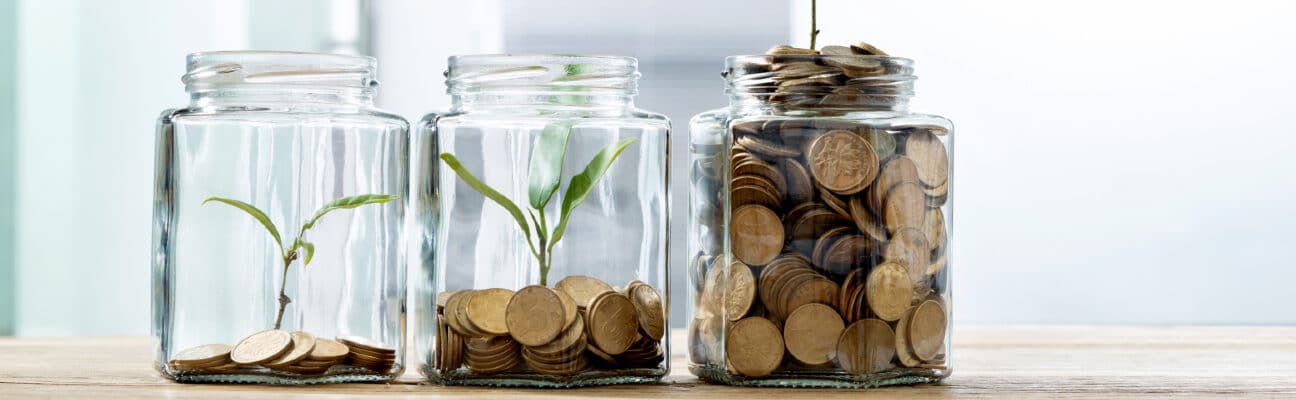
542,74
228,69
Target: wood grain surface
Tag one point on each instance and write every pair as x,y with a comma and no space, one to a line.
989,362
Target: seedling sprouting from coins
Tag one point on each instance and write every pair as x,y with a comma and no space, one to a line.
545,174
299,247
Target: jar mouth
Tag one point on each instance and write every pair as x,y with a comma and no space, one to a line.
542,74
219,70
845,82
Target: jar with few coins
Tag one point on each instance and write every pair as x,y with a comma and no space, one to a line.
820,215
540,203
278,223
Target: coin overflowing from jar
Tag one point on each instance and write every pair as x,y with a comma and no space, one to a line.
836,231
296,352
579,324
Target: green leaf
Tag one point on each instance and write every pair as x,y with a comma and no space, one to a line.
310,251
547,162
346,203
495,196
582,184
255,213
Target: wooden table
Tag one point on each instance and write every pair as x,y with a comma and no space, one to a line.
992,362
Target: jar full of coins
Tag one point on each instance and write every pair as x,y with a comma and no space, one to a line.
820,225
278,251
540,204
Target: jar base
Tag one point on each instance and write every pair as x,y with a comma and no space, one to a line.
464,377
806,379
346,374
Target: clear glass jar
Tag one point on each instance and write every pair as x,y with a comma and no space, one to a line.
277,228
558,278
819,227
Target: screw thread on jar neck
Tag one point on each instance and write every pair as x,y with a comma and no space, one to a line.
266,77
819,84
546,82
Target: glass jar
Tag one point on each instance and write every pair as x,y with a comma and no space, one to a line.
541,204
819,227
277,224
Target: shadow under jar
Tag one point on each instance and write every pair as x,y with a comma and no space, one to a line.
541,211
819,227
277,228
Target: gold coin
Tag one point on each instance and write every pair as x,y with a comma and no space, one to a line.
582,289
836,51
485,310
535,315
740,291
929,155
328,349
783,50
903,351
613,324
846,254
203,355
757,167
811,224
766,147
800,187
451,314
909,248
756,234
815,290
366,345
302,345
937,266
568,340
888,290
934,231
842,161
904,207
899,169
867,49
927,330
866,347
833,202
442,298
569,308
754,347
648,305
754,195
811,333
261,347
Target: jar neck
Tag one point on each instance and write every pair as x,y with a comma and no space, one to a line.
542,83
279,79
818,84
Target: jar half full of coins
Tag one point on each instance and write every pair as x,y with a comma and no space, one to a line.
820,215
541,216
278,223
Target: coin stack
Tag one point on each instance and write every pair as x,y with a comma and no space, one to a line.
836,236
296,352
833,77
580,324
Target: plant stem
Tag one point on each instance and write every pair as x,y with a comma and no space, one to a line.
543,255
283,284
814,27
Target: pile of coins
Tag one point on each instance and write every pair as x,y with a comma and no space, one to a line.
832,77
296,352
837,239
580,324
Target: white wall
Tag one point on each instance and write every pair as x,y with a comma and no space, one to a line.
1117,161
92,78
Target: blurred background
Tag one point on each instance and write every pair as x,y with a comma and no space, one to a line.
1117,162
